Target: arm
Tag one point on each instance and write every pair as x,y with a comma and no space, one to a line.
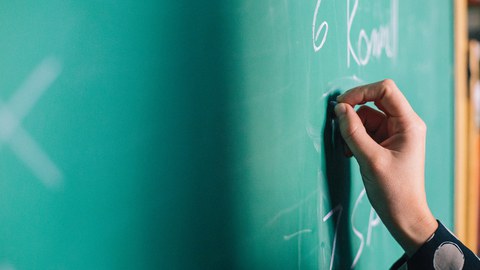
389,145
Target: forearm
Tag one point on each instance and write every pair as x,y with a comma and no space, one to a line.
389,145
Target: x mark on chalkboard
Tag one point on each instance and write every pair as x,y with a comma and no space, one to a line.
18,107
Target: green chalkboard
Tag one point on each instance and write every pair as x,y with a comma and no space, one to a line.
299,204
187,135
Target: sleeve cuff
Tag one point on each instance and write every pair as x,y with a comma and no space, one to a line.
442,251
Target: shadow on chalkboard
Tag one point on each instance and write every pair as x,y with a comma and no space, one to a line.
338,174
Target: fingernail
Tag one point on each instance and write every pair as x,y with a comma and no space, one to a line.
340,109
340,97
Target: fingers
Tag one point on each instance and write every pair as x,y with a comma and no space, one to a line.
375,122
354,133
385,94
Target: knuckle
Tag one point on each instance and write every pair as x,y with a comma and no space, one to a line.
422,129
422,126
419,126
378,163
388,84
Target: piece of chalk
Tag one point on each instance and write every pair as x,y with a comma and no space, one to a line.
331,105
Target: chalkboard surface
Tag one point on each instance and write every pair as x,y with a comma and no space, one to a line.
298,204
186,135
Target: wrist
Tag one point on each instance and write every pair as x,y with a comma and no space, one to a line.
413,231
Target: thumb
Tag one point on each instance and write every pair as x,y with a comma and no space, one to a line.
353,132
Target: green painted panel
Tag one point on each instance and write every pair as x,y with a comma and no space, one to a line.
292,193
185,135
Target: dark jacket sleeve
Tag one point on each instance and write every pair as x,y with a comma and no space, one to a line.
442,251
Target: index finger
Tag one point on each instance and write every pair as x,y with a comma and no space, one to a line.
385,94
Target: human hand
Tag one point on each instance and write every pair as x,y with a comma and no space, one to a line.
389,146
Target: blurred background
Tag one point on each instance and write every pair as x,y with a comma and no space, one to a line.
467,179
